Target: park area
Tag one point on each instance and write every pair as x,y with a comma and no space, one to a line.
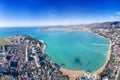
3,42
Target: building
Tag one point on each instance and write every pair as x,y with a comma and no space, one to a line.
0,69
89,75
105,78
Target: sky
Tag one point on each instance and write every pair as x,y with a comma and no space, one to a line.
57,12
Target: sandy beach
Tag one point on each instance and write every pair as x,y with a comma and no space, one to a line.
107,59
73,74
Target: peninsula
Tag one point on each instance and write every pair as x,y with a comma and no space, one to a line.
24,59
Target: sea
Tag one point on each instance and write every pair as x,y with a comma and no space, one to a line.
70,49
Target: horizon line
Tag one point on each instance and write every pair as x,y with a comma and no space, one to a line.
6,26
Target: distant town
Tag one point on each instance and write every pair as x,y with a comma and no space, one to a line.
22,56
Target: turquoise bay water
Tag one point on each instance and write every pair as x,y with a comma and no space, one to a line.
76,50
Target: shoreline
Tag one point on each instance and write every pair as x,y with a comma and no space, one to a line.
73,74
98,71
44,46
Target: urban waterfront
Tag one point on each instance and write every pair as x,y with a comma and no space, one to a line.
75,50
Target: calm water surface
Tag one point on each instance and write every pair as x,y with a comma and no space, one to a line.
76,50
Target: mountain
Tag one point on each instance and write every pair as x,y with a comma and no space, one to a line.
105,25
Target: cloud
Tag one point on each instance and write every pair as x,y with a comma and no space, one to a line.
114,18
118,13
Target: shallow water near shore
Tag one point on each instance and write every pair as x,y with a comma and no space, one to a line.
76,50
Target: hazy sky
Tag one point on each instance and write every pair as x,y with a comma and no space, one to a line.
57,12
